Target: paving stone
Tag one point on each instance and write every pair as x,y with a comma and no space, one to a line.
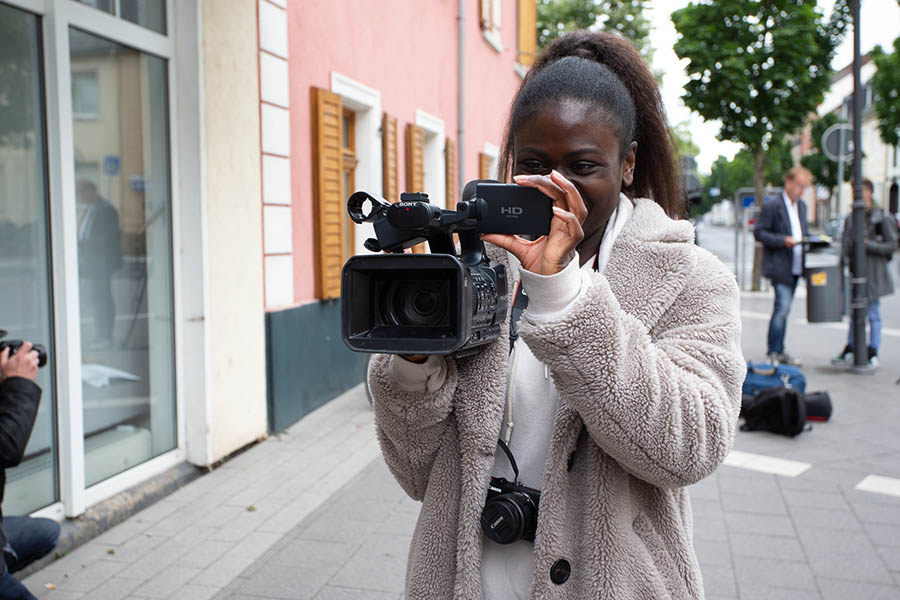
890,556
711,529
718,581
195,592
744,522
866,567
115,588
883,535
91,576
751,591
166,587
379,564
766,546
825,518
338,593
834,541
833,500
765,503
300,571
777,573
713,553
839,589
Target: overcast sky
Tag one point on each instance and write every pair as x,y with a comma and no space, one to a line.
880,25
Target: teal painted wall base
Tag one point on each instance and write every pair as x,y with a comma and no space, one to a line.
307,363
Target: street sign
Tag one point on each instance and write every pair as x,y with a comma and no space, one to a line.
837,141
111,165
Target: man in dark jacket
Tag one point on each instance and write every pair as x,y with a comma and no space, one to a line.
99,256
780,228
880,242
23,539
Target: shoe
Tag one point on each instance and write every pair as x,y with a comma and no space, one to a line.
786,359
873,358
772,358
844,358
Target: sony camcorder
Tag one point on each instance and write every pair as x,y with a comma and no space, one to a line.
451,301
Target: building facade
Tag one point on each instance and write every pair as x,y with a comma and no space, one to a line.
172,180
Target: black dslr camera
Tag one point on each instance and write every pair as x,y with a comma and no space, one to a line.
510,512
446,302
14,346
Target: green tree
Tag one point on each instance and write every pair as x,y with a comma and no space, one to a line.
556,17
758,67
684,143
728,176
885,85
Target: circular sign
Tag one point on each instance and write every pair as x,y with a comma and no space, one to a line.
837,141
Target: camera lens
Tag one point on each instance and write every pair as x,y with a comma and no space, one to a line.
417,303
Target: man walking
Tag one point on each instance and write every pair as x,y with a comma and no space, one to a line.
780,228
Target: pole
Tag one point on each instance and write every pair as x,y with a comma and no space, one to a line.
859,302
840,174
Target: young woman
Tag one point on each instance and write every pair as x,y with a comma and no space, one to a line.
624,384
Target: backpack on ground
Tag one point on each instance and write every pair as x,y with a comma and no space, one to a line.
778,409
761,376
818,406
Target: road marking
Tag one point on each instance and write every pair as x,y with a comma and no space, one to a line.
765,464
880,485
842,326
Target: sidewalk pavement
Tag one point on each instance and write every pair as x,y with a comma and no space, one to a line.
314,512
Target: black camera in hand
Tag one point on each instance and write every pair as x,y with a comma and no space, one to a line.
14,346
451,301
510,512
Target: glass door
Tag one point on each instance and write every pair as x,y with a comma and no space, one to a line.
120,133
26,311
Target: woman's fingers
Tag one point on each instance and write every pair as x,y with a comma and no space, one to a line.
512,243
545,185
574,201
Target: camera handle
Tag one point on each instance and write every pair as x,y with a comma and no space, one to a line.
512,460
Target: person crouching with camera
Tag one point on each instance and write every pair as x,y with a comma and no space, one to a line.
23,539
622,386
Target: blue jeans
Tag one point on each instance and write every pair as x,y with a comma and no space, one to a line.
784,296
28,540
873,313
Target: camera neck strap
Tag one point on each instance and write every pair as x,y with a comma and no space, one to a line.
512,459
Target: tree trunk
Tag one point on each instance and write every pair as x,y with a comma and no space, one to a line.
759,182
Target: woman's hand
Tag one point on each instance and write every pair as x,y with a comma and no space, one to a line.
549,254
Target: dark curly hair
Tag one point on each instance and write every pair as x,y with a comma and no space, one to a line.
606,70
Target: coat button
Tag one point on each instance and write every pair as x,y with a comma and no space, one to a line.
560,571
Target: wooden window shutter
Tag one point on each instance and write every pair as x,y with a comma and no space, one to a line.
389,164
415,166
487,14
450,158
328,195
527,32
415,158
484,165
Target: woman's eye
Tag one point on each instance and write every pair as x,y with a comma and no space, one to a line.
534,167
583,167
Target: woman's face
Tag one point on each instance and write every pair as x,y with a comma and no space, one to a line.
581,142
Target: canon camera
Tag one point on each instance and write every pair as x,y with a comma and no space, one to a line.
451,301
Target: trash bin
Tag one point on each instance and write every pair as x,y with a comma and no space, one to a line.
824,286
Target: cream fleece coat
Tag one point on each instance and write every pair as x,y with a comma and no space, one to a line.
649,368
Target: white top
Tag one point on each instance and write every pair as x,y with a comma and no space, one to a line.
796,233
507,570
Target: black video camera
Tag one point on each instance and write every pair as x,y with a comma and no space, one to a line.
446,302
14,346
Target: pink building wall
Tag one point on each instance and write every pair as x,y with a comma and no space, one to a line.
407,51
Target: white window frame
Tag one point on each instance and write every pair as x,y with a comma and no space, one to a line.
434,157
494,152
365,102
491,32
57,16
